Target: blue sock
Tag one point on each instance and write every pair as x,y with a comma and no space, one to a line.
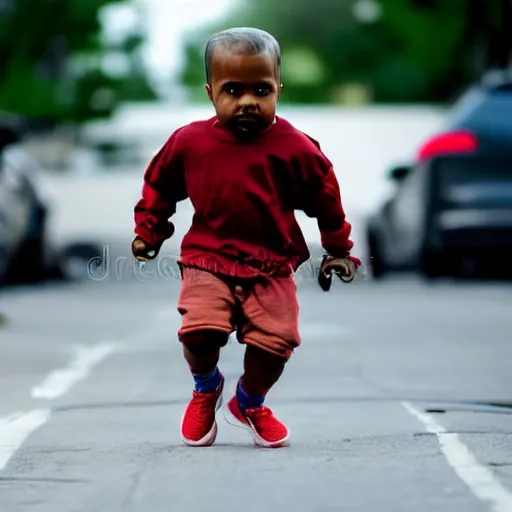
207,383
245,401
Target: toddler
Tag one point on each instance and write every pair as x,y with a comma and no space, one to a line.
245,171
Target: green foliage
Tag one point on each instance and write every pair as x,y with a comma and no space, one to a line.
51,55
416,50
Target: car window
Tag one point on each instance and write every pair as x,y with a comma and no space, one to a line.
464,106
484,112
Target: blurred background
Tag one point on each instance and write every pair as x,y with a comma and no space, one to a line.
396,91
412,102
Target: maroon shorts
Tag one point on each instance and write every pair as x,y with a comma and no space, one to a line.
263,311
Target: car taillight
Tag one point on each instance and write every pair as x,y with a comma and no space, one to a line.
448,143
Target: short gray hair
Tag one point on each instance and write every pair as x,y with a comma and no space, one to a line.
246,39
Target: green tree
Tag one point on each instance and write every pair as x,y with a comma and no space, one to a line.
51,54
296,25
414,50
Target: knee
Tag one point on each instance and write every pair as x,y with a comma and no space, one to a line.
204,341
267,358
271,349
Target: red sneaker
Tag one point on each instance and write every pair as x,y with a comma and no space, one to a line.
198,425
266,429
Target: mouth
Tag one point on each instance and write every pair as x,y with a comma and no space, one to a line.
248,122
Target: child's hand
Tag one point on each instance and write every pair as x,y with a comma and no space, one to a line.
344,268
142,251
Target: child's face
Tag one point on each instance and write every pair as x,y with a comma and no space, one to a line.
244,90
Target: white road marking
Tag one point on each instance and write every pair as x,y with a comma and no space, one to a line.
478,478
15,429
61,381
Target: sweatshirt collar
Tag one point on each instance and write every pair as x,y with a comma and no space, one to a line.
222,133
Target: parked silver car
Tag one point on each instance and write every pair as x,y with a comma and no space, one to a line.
24,254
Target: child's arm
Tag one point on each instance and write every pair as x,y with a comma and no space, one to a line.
322,200
163,187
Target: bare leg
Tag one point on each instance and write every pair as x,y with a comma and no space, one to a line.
202,350
261,371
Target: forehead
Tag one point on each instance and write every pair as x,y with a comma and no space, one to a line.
230,66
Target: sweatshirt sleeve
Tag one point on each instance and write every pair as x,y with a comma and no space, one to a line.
321,199
163,187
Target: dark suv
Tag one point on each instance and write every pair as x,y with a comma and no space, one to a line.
452,209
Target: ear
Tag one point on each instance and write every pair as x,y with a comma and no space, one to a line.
209,91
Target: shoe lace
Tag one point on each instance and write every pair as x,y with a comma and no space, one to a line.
203,401
258,412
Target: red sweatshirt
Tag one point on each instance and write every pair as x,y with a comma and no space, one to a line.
244,195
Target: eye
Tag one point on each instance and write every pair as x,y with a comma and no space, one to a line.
232,90
262,91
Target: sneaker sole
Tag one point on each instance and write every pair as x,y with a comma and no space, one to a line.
210,437
235,422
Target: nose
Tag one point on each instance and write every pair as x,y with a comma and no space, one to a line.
248,103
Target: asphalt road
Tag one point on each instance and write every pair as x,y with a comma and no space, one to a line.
93,385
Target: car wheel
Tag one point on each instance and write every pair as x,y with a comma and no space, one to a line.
431,264
28,266
377,264
75,260
466,266
4,264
